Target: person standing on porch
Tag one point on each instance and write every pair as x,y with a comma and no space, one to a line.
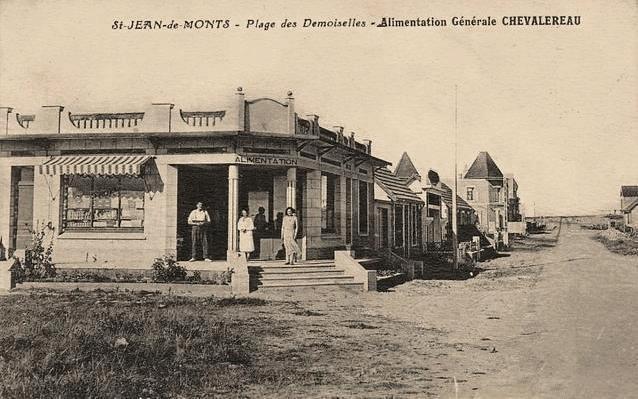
260,228
289,227
199,219
246,226
260,220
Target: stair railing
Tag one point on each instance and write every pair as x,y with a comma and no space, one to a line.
395,261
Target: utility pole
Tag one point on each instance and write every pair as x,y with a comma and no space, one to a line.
455,238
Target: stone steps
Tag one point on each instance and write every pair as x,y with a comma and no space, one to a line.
298,284
306,274
298,266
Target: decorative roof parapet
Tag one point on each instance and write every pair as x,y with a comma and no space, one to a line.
106,120
303,126
264,116
25,120
341,139
201,118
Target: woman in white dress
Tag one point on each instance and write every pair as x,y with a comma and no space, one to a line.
246,226
289,228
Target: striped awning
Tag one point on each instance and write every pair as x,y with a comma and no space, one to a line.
94,165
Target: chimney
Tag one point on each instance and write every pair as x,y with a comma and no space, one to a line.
241,110
314,124
368,144
339,130
4,120
292,117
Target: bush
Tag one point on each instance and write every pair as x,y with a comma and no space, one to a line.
38,258
618,242
166,269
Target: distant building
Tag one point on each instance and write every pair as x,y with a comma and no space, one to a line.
398,212
430,190
485,189
629,205
513,201
437,214
465,215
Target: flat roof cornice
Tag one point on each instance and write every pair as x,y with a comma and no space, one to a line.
134,135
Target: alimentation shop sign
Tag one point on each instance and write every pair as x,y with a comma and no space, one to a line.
265,160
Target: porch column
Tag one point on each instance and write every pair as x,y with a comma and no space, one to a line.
405,229
312,214
169,175
5,203
342,208
233,205
291,188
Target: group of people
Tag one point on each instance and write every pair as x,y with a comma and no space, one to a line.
199,219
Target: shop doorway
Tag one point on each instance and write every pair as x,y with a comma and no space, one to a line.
21,221
259,187
207,184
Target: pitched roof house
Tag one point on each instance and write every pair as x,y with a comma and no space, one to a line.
398,212
484,167
629,205
406,169
485,188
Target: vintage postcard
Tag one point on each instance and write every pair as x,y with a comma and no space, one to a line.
318,199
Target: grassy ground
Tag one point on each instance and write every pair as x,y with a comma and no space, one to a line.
419,339
618,242
101,344
110,345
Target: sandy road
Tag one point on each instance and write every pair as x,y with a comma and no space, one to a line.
554,319
579,327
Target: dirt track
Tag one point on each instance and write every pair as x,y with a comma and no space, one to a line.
553,319
578,327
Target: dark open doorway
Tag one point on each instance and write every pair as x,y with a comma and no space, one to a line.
21,222
259,187
208,184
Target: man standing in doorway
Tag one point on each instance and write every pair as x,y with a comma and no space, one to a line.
199,219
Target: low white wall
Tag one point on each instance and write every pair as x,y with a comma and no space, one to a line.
345,260
516,227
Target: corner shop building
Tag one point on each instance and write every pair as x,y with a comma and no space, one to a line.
115,189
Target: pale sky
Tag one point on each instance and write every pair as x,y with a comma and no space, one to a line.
555,106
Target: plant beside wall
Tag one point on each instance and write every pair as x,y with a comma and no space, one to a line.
38,258
221,278
166,270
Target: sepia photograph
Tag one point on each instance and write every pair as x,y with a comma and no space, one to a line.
318,199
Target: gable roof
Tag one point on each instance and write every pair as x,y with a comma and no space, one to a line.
484,167
405,167
396,187
629,191
447,198
631,205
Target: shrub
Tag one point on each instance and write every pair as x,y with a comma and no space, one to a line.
166,269
38,258
196,277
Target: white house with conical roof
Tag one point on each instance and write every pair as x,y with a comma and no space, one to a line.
484,186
